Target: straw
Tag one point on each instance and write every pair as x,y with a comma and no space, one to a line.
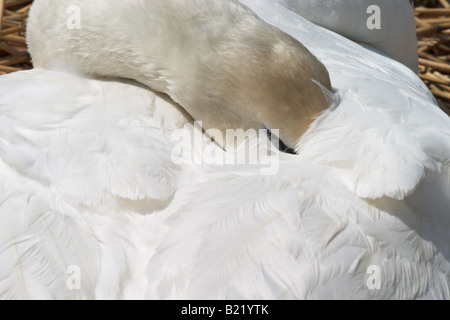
433,33
13,48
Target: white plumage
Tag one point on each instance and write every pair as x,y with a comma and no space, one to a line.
87,181
77,156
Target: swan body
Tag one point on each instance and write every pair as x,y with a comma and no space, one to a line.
77,157
361,212
254,76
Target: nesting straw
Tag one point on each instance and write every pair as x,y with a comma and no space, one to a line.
13,48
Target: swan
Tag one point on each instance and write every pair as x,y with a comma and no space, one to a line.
393,35
92,205
216,56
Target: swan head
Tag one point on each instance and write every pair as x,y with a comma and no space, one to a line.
290,92
266,79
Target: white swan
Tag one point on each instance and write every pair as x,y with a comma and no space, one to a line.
88,188
394,33
215,57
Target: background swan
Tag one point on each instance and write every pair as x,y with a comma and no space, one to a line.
77,189
395,37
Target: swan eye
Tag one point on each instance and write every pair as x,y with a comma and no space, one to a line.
284,148
281,145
